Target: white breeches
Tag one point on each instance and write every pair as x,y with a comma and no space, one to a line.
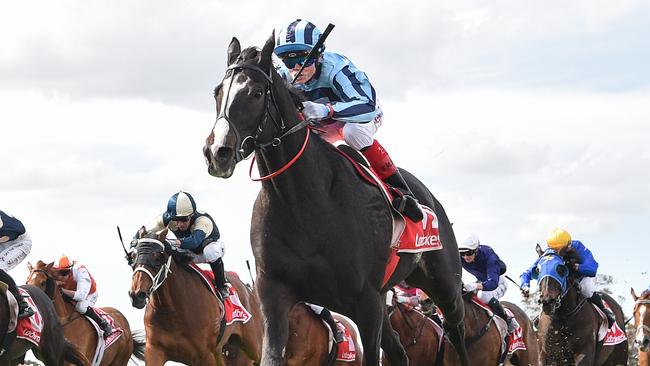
360,135
497,293
82,306
587,286
212,252
13,252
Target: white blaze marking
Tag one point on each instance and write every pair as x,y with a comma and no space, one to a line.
639,331
221,128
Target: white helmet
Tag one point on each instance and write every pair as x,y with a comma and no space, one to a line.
470,243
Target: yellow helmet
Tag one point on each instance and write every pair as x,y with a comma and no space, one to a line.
558,239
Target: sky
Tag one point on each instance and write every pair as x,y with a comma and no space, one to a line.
519,116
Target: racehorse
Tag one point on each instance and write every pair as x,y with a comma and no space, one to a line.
309,339
53,348
642,325
417,333
568,324
79,330
184,319
318,232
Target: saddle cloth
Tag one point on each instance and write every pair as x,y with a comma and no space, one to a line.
104,343
234,310
346,350
609,336
30,328
514,341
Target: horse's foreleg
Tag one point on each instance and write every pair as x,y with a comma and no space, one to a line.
391,345
369,313
276,300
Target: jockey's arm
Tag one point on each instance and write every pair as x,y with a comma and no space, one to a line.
357,95
525,277
201,227
82,278
587,265
493,271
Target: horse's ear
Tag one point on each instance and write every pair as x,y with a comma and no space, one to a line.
267,52
49,266
141,232
633,294
234,49
29,266
539,250
163,235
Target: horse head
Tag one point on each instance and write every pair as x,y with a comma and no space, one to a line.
41,277
553,279
642,320
151,265
249,108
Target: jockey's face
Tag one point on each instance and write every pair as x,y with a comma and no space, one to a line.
469,256
182,225
306,74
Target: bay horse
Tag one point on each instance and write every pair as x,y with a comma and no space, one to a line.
642,325
78,330
568,324
183,318
53,348
309,339
319,233
417,333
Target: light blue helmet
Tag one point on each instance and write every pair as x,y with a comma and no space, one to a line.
180,205
300,35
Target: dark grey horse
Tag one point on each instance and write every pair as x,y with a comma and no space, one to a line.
318,232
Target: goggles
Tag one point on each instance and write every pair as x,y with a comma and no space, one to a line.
291,59
468,253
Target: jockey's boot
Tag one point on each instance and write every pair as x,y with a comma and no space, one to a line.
383,165
103,324
498,309
326,315
24,310
220,278
598,301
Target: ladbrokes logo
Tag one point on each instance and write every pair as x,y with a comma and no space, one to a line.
426,241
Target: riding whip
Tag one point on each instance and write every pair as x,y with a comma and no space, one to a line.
126,253
249,271
513,281
314,53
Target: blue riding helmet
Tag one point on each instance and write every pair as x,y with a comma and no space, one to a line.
549,266
300,35
180,206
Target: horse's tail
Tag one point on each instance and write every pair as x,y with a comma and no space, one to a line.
73,355
139,344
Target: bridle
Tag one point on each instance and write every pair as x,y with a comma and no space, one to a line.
147,246
269,99
49,282
641,327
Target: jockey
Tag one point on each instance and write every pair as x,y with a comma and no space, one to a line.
406,294
15,244
77,284
481,261
195,231
580,260
337,90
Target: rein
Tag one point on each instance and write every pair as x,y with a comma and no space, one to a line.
420,326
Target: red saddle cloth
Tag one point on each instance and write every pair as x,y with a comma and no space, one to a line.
117,331
614,334
30,328
346,351
516,339
234,310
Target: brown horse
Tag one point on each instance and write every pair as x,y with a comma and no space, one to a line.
79,330
642,325
483,339
417,333
183,319
53,348
308,343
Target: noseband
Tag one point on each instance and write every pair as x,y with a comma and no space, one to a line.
145,246
269,98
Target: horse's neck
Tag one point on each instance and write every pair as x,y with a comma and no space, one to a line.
63,308
170,294
569,302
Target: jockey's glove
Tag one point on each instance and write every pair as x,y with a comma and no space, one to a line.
472,286
315,111
525,291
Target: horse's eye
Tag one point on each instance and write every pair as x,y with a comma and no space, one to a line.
258,93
